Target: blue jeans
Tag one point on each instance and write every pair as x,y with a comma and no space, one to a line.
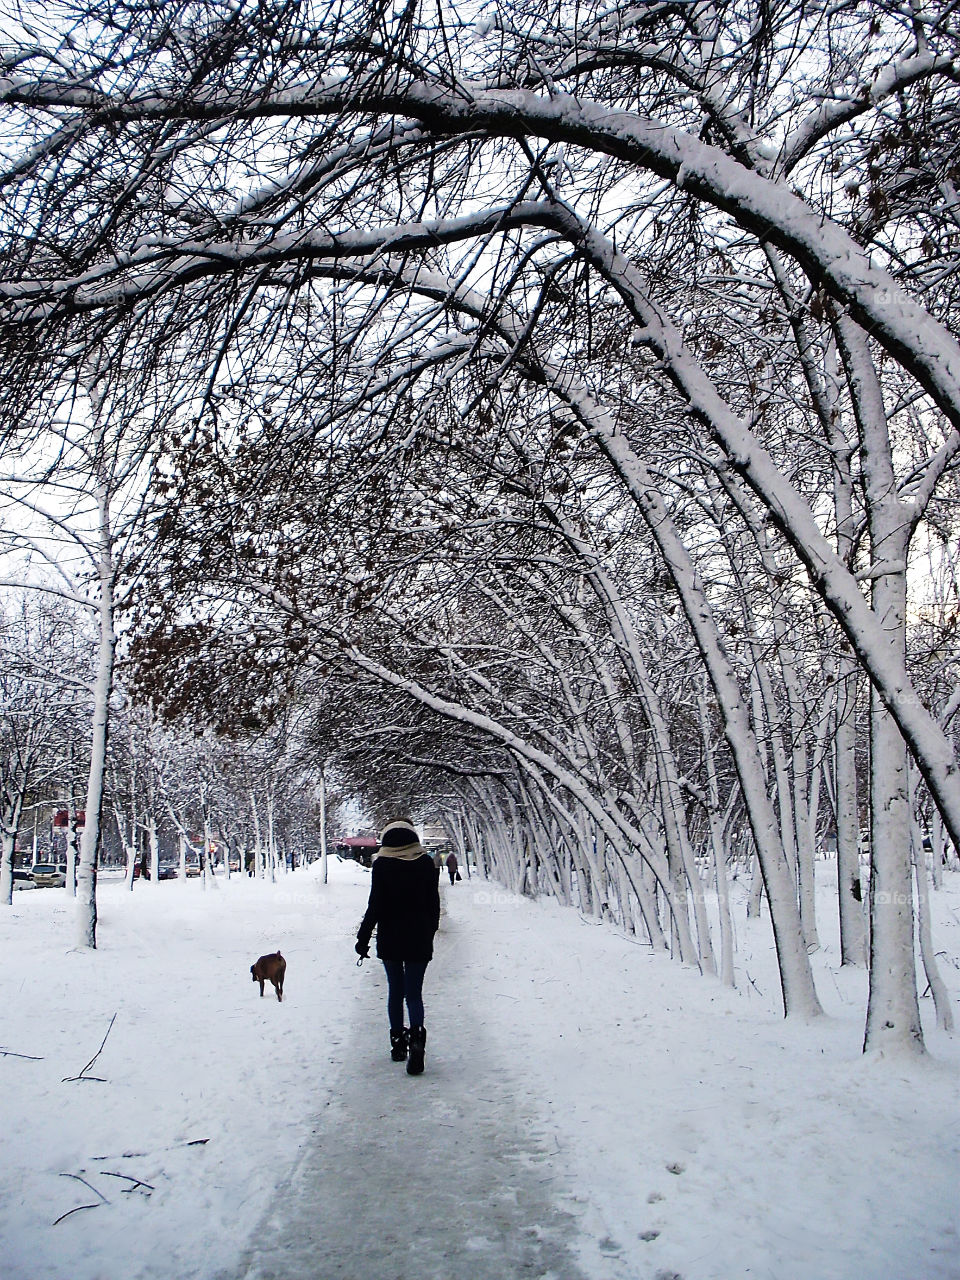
405,982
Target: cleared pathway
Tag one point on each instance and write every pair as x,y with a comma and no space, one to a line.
438,1177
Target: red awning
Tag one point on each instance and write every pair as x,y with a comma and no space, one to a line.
61,818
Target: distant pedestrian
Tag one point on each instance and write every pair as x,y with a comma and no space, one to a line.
438,860
404,908
452,871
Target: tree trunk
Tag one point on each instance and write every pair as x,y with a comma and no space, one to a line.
755,901
717,847
71,834
323,825
129,848
271,852
153,843
93,816
257,841
935,983
846,812
893,1010
8,840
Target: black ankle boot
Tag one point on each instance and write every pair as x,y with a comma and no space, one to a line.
417,1043
398,1045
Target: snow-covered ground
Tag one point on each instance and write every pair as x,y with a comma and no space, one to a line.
674,1128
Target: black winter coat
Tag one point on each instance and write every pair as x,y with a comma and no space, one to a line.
404,907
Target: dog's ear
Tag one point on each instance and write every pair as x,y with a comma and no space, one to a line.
253,972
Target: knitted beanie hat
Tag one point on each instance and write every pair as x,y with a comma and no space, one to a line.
400,840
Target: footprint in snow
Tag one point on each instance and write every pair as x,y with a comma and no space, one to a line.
675,1167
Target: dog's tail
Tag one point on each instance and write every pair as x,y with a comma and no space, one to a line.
279,956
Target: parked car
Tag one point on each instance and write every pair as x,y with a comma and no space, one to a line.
167,873
47,875
24,880
193,867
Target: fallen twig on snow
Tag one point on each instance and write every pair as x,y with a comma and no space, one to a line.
9,1053
82,1075
140,1155
752,983
77,1208
137,1182
76,1177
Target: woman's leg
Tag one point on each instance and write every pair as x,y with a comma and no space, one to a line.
413,971
395,989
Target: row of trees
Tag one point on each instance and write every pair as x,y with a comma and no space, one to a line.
39,723
542,672
571,396
257,805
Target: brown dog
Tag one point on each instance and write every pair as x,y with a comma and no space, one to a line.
270,969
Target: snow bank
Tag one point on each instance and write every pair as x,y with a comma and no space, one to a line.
714,1139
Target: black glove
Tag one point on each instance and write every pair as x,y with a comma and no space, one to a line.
362,949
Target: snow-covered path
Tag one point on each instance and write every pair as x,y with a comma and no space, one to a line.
437,1177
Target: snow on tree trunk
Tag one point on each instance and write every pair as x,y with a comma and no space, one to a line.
893,1011
106,654
153,844
271,852
7,842
846,813
323,824
936,850
803,803
755,901
935,984
258,842
718,847
72,837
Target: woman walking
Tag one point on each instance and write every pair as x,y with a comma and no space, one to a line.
404,908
